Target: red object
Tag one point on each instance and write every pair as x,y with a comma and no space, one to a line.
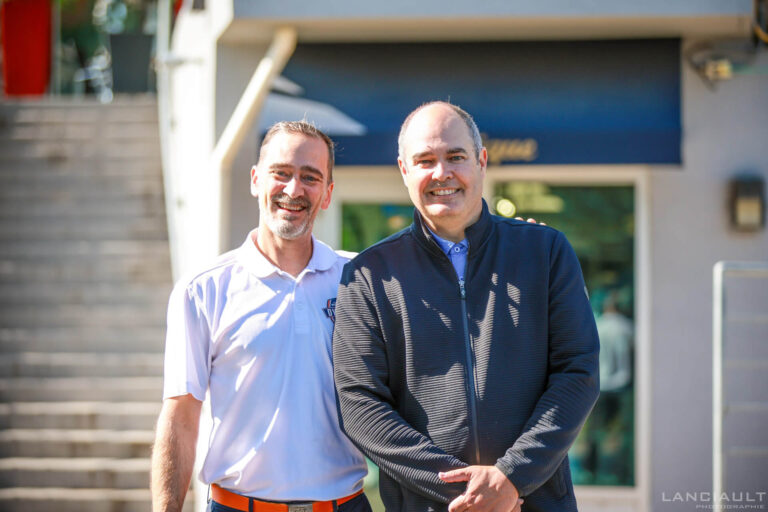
244,503
26,39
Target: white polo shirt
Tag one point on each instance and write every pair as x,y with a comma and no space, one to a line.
260,341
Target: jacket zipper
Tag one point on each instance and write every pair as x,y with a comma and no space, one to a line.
470,371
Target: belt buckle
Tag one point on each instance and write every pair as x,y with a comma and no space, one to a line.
300,507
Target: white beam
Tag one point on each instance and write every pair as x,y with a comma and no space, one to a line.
242,119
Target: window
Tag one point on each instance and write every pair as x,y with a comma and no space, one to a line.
364,224
599,221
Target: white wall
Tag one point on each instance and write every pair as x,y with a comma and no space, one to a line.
191,140
724,132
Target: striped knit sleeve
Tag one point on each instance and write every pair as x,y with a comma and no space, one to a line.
366,403
572,385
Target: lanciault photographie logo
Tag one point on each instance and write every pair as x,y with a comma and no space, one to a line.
734,500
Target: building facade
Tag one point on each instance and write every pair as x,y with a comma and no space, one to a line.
630,126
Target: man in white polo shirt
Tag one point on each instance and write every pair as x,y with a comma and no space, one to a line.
254,329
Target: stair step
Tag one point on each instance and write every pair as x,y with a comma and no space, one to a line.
122,268
76,193
36,499
132,228
122,109
84,248
74,472
70,364
11,209
15,150
81,169
79,339
87,389
51,179
80,415
48,294
57,177
142,130
102,315
75,443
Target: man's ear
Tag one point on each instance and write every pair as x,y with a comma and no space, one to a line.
254,177
327,199
483,158
403,170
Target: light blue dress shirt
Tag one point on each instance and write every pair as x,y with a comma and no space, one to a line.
456,252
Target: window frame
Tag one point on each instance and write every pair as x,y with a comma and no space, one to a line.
383,184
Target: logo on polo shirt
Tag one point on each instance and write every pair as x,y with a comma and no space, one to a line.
331,309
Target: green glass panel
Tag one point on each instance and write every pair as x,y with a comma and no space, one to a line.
599,221
364,224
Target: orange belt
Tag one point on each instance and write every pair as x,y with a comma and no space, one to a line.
247,504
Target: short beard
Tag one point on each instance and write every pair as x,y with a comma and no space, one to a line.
283,228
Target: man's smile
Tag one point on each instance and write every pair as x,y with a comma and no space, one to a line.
444,191
293,206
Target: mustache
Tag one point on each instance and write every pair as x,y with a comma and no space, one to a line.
286,200
441,184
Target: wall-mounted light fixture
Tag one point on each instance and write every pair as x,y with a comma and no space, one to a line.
747,202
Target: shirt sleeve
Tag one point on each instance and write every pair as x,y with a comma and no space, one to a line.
573,382
187,345
366,402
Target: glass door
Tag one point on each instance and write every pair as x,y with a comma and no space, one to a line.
600,211
599,221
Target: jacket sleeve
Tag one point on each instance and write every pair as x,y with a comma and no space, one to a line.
572,385
366,403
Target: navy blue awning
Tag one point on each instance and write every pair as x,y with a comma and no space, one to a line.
563,102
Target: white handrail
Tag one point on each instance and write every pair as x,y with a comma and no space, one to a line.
719,272
281,49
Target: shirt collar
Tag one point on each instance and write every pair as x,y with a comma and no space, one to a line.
477,234
323,257
447,245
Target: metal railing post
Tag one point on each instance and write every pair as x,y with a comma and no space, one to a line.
717,381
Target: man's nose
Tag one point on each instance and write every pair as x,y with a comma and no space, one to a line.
293,187
442,171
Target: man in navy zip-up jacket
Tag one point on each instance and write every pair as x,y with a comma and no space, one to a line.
465,350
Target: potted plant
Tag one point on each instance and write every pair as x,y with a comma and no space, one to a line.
129,24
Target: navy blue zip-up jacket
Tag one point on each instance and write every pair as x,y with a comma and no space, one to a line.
431,377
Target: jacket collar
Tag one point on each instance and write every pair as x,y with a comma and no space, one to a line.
476,234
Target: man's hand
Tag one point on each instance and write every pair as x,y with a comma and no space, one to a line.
531,220
488,489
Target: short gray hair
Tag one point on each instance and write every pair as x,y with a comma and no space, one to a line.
477,140
303,128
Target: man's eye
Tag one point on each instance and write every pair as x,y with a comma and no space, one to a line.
456,158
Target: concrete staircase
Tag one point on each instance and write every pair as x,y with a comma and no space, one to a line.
84,280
